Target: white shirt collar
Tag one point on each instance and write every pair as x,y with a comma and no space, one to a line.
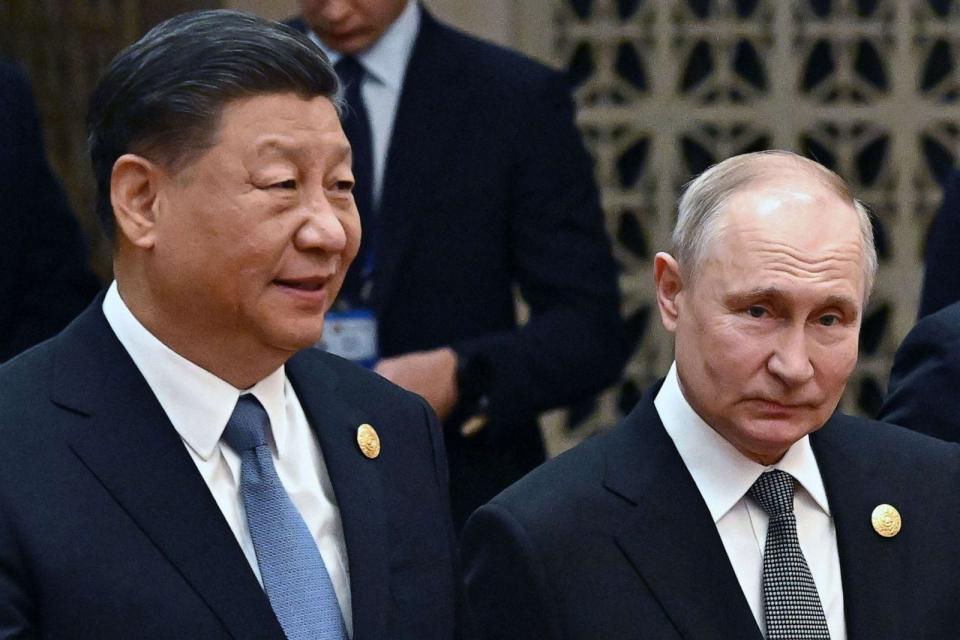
386,59
198,403
723,474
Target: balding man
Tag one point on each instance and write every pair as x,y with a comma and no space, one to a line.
733,502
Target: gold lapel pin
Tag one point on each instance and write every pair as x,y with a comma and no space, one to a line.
368,441
886,520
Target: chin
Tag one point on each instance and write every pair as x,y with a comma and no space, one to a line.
349,44
295,339
771,440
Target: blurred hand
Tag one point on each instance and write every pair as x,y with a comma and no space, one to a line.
431,374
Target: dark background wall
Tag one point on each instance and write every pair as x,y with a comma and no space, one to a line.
63,45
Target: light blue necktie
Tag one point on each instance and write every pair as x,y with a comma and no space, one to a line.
294,576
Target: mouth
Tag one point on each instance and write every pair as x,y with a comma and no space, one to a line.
310,290
339,32
301,284
777,408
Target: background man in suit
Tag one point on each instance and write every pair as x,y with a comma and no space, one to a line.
922,391
941,277
926,367
44,277
474,182
731,503
171,466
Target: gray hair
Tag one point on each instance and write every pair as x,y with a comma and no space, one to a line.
162,97
704,198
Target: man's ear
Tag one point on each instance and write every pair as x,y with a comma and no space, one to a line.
666,274
134,184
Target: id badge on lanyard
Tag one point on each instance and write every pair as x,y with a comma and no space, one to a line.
352,335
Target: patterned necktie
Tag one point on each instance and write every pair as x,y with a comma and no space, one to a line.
356,126
294,576
791,603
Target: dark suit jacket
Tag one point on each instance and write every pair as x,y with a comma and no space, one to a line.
922,392
488,186
107,529
44,277
941,273
613,540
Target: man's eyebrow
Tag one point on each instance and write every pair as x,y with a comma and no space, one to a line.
759,293
338,151
271,143
774,294
341,152
840,301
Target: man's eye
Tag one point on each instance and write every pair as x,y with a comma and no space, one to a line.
756,312
343,185
829,320
284,184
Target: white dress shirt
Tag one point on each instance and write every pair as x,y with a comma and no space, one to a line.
199,404
723,476
386,65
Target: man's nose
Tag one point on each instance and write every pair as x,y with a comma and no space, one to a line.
322,229
334,10
790,360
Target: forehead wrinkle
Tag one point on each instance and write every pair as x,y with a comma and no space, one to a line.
783,257
750,240
765,258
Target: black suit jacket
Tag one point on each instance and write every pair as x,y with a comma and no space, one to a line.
613,540
107,529
922,392
44,277
488,186
941,274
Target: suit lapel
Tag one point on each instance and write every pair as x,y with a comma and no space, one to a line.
132,448
669,536
357,485
423,136
855,485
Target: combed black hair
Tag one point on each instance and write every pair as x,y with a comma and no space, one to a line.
162,97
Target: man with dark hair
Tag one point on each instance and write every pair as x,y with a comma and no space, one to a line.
734,502
473,183
177,463
44,277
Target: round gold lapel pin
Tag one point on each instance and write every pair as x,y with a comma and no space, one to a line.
368,441
886,520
